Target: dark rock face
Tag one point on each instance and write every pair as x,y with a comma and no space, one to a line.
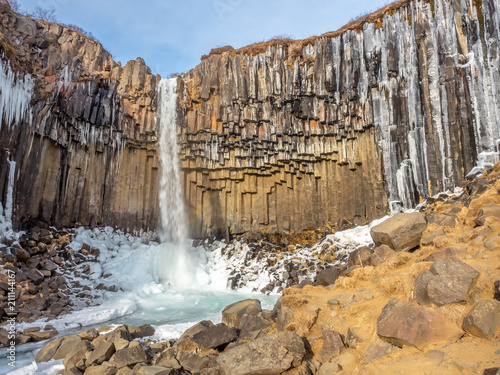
281,135
82,134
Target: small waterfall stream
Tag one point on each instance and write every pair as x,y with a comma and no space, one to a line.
174,267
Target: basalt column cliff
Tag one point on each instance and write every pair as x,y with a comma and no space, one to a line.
392,108
277,136
78,129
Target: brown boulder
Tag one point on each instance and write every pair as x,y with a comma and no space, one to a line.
452,281
269,355
140,331
101,370
402,323
77,357
153,370
333,345
491,210
402,232
190,332
377,351
22,255
328,276
483,320
192,361
232,314
353,338
89,334
101,353
45,335
167,359
214,336
359,257
451,251
254,327
129,357
380,255
58,348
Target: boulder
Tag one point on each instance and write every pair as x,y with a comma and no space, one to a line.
483,320
141,331
402,232
101,370
89,334
333,345
125,371
328,276
359,257
491,210
34,275
380,255
214,336
452,281
129,357
101,353
377,351
293,313
58,348
442,219
77,357
208,371
353,338
451,251
232,314
254,327
328,369
167,359
21,255
420,288
45,335
120,337
190,332
153,370
496,290
431,236
192,361
270,355
402,323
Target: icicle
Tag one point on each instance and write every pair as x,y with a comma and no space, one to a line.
6,230
15,95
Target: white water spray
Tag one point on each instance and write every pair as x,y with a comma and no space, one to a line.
174,266
6,231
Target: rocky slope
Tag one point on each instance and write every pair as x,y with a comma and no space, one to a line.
426,300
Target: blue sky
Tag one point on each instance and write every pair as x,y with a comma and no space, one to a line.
172,35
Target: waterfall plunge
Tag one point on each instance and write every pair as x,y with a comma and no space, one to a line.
174,268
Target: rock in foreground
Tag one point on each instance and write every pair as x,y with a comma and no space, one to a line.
402,323
402,232
270,355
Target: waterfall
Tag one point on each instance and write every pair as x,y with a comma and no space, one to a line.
175,267
6,231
